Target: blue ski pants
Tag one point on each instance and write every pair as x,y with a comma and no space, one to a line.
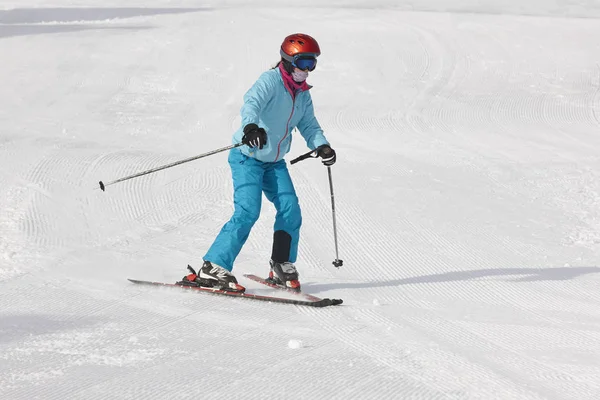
252,178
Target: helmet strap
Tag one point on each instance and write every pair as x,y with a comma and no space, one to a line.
287,66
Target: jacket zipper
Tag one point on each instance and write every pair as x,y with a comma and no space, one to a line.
287,127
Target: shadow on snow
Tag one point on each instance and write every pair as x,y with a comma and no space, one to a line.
24,30
35,21
511,274
39,15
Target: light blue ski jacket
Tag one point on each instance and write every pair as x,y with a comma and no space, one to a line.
270,105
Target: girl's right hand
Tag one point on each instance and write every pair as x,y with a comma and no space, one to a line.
254,136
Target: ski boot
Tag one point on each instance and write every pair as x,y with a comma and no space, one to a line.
284,274
212,276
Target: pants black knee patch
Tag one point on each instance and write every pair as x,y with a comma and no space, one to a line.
282,243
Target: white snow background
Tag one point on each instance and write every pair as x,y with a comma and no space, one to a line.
467,192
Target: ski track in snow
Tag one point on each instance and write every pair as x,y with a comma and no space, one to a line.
466,193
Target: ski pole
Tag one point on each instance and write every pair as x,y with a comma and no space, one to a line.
337,262
313,154
104,185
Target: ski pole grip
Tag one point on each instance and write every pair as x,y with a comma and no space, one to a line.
310,154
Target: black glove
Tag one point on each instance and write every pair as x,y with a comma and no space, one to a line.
254,136
327,154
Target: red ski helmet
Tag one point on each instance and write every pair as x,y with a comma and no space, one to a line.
299,44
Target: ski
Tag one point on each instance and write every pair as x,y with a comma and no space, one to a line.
273,299
307,296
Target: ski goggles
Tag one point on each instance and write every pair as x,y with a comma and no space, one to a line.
305,62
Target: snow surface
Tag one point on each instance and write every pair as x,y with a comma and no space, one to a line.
467,193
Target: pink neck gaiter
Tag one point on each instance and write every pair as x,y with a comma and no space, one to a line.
290,83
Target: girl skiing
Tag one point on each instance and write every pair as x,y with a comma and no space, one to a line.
278,102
